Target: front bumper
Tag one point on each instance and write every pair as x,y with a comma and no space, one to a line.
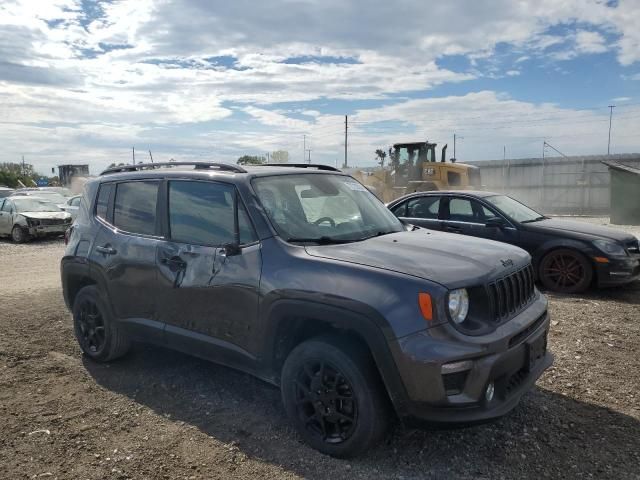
511,358
45,230
618,271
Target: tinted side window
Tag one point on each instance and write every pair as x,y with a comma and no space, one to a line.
135,207
6,207
75,202
102,202
462,210
423,207
201,213
400,210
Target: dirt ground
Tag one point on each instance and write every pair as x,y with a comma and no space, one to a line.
163,415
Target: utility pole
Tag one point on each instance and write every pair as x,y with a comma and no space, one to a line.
455,137
504,152
304,147
133,154
23,167
150,156
268,157
309,150
346,128
611,107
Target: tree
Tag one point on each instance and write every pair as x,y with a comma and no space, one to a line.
13,173
381,154
251,160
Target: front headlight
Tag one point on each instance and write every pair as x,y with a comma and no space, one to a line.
458,305
32,222
610,248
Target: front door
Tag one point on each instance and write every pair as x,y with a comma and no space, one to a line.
208,295
468,216
6,216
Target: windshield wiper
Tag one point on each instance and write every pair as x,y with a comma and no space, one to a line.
324,240
537,219
377,234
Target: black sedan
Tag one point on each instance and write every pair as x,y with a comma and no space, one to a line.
568,256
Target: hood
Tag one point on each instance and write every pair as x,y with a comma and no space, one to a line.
578,229
449,259
46,215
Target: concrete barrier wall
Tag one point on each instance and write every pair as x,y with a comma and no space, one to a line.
555,185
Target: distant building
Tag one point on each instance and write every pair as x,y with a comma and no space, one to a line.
67,172
625,193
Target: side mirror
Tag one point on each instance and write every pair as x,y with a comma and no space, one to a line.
495,222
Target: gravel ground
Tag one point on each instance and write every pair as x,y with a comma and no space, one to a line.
158,414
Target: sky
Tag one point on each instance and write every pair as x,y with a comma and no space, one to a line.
84,81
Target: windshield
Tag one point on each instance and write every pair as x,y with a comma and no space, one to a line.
34,204
323,208
51,196
514,209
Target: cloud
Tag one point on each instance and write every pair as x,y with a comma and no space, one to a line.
590,42
79,76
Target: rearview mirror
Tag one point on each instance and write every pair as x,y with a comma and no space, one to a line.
495,222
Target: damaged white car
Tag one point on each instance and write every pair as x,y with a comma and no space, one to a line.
25,217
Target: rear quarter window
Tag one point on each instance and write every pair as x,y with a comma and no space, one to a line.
102,202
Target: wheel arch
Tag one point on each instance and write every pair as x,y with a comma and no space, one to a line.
291,322
557,244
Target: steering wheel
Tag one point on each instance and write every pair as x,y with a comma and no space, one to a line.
325,219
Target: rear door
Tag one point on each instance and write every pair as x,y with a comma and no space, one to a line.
208,298
422,211
124,251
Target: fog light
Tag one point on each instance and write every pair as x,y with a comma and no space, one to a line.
488,393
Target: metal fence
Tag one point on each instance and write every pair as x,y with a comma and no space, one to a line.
555,185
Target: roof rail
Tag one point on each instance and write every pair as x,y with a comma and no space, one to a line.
300,165
226,167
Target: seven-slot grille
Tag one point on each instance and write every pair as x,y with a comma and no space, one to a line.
510,294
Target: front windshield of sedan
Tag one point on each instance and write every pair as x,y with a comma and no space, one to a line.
323,208
514,209
34,204
52,197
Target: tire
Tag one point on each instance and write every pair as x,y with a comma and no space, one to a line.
565,271
99,336
18,235
341,427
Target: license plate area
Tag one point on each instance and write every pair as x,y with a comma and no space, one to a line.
536,350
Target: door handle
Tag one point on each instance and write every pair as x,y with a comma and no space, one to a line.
106,250
174,263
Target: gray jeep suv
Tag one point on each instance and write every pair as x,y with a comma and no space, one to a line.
300,276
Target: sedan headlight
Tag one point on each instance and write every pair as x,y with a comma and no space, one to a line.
32,222
610,248
458,305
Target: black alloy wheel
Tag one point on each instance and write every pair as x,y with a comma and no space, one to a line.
91,328
565,271
99,336
325,401
333,394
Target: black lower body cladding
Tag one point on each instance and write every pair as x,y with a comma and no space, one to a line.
450,377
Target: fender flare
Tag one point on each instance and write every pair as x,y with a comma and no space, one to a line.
340,314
